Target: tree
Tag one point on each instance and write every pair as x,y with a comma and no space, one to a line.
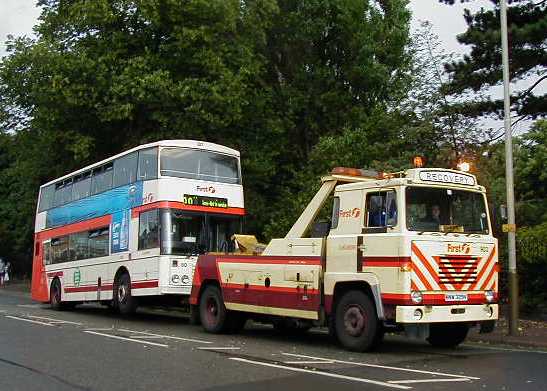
482,69
270,78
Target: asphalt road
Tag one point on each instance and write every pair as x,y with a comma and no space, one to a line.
92,349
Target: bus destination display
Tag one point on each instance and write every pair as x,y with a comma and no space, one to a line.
211,202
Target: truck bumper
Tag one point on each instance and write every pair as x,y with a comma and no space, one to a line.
445,313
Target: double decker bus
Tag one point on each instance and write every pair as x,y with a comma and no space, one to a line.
130,227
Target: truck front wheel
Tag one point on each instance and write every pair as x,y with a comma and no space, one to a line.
355,321
447,335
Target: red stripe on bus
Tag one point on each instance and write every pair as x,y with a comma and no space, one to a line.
107,287
55,274
87,225
179,205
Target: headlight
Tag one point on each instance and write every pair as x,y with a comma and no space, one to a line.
416,297
489,295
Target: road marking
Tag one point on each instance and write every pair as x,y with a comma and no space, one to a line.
383,366
101,329
426,381
219,348
30,305
145,336
505,349
29,320
54,320
308,362
320,373
127,339
165,336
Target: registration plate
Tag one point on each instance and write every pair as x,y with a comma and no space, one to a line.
455,297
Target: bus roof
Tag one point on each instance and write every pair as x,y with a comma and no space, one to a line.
195,144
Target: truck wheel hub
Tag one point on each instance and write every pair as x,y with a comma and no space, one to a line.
354,321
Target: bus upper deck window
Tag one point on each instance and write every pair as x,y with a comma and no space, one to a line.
148,164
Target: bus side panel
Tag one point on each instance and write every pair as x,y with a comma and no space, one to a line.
39,288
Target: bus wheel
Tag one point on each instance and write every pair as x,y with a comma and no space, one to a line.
212,311
123,300
55,295
356,323
447,335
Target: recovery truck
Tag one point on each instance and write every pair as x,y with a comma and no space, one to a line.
411,251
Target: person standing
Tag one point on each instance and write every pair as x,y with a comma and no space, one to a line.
7,272
2,271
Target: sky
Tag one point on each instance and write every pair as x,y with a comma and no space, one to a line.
17,17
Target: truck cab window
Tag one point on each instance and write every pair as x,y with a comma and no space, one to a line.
381,209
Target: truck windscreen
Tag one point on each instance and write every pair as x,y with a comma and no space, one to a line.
445,210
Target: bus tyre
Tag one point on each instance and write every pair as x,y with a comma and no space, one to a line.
123,300
355,322
55,295
447,335
212,311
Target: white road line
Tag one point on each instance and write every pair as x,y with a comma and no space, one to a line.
505,349
219,348
127,339
29,320
308,362
145,336
53,320
165,336
320,373
30,305
101,329
425,381
383,366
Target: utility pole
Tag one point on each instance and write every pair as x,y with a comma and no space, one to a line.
510,227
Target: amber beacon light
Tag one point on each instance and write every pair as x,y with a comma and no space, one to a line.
418,161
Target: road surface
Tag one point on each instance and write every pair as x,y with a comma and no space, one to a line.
92,349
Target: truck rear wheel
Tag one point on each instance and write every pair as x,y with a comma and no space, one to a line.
447,335
355,322
212,311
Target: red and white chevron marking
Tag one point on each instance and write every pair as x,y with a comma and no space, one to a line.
451,273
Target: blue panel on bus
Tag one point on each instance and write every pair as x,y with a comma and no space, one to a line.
120,230
118,199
